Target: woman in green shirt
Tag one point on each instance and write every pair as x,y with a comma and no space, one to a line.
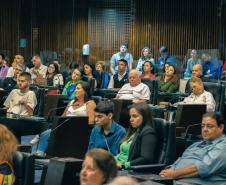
138,146
169,82
69,88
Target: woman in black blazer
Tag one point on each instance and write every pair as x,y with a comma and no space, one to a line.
138,146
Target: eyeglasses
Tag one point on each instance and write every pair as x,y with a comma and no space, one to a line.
207,126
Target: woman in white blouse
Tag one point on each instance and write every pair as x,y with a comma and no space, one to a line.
81,105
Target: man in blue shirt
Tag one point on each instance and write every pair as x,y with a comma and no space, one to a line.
211,67
123,54
165,57
203,162
106,134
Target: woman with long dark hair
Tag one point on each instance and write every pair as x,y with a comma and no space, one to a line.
139,144
148,70
89,72
81,105
169,82
53,76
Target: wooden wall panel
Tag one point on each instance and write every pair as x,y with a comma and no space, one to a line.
9,30
64,26
177,24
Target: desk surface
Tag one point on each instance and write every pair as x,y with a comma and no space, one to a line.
162,109
22,126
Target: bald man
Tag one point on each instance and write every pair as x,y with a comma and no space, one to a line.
134,90
196,72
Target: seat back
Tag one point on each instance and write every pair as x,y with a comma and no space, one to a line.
188,114
3,96
218,92
91,82
153,87
69,137
121,113
23,165
39,93
165,152
2,82
52,104
63,171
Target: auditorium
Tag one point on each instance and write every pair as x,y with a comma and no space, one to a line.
112,92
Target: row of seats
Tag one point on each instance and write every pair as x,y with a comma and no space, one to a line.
24,163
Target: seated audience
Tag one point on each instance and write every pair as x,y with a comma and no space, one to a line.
17,59
38,72
106,133
211,67
196,72
3,67
122,54
199,95
169,82
68,70
123,180
69,88
139,144
148,70
223,71
89,72
10,83
121,77
146,55
57,62
134,90
190,63
203,162
80,106
101,76
165,57
21,101
8,147
98,168
53,76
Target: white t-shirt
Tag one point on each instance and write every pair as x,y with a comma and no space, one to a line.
13,99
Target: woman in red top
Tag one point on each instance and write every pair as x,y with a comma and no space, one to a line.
148,70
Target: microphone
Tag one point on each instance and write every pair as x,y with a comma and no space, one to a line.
54,109
47,134
65,121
